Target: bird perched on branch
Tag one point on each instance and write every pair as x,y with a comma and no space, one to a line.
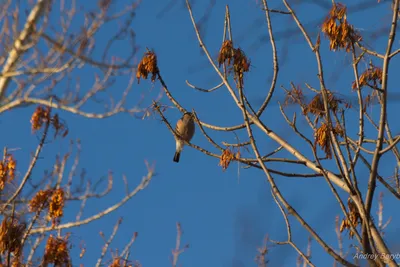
185,129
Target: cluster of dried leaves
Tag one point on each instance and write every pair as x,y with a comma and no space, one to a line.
316,108
11,234
57,251
339,32
42,115
147,65
226,158
241,64
226,53
323,137
118,262
354,218
51,199
372,74
7,170
316,105
371,78
295,96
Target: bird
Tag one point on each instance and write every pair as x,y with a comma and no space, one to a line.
185,130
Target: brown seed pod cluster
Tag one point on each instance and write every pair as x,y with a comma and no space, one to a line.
56,206
226,53
39,117
40,201
118,262
7,170
42,115
50,199
354,218
371,77
323,138
147,65
11,233
372,74
337,29
57,251
241,64
316,105
226,158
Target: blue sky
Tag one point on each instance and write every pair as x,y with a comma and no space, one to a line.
225,215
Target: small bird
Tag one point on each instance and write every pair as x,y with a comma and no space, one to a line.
185,130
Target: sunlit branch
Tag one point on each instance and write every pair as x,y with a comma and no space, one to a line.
145,181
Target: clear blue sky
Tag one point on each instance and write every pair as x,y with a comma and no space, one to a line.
225,215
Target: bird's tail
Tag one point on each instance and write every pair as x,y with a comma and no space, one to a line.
177,156
179,148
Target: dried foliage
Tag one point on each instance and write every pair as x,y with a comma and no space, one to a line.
294,96
11,233
147,65
42,115
57,251
316,105
39,117
40,201
354,218
53,200
241,64
371,78
323,138
7,170
226,158
226,53
118,262
372,74
337,29
56,206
